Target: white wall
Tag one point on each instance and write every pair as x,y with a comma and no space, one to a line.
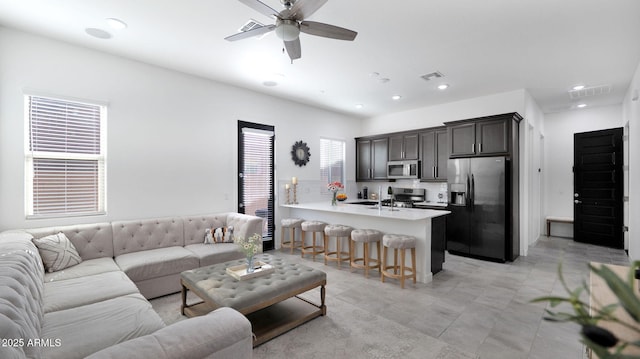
171,137
558,177
631,115
531,188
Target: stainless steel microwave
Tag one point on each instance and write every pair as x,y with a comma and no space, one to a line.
403,169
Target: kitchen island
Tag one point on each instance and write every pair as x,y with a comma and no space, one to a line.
427,225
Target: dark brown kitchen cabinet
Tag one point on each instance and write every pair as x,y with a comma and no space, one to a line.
486,136
371,158
434,154
403,146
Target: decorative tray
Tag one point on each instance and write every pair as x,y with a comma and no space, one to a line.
239,272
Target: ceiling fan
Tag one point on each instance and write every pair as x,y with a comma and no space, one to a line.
290,22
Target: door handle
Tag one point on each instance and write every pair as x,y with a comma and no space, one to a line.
577,201
468,193
473,190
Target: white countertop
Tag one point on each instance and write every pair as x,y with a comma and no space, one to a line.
408,214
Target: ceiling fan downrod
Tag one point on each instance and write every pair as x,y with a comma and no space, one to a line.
288,3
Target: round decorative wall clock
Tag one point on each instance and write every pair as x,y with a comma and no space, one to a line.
300,153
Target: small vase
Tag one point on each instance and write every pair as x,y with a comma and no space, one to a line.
250,266
334,200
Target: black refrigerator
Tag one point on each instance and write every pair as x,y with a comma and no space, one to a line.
483,202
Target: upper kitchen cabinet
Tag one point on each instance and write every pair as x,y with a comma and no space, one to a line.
434,154
485,136
403,146
371,158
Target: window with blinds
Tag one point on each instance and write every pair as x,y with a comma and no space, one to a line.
332,161
65,157
257,174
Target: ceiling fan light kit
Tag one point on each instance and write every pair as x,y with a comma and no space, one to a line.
290,22
287,30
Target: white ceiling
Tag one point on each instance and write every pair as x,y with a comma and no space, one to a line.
481,47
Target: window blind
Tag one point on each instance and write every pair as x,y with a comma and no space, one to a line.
65,157
332,161
257,189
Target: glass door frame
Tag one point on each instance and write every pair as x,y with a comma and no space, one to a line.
268,244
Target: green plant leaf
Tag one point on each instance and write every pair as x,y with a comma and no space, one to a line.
621,289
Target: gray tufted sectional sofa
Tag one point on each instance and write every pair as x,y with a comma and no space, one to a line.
99,307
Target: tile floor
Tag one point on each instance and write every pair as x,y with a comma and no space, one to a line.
472,309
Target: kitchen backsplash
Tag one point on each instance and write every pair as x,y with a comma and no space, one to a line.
313,191
433,188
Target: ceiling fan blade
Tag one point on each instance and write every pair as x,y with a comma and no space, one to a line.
302,9
326,30
293,49
250,33
260,7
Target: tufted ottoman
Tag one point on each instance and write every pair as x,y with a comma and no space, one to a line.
270,302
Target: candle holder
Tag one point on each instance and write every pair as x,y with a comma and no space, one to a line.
295,193
288,196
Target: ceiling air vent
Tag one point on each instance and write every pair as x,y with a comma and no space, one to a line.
431,76
590,91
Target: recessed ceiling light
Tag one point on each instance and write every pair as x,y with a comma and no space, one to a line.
582,105
270,83
443,87
396,97
578,87
98,33
116,23
359,106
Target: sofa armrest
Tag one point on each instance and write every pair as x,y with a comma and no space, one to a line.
245,225
223,333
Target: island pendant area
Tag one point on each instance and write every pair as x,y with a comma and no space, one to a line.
427,225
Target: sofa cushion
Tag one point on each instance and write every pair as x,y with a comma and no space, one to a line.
57,252
21,292
195,227
214,253
135,236
154,263
87,329
221,334
76,292
87,267
91,240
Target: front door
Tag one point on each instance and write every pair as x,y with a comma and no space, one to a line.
598,188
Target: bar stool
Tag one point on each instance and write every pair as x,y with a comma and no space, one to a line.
292,224
365,236
313,227
398,242
338,231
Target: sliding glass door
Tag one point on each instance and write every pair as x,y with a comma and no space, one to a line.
256,175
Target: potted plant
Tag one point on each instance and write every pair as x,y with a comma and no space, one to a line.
599,339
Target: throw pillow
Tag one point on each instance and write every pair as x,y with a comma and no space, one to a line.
57,252
223,234
208,236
